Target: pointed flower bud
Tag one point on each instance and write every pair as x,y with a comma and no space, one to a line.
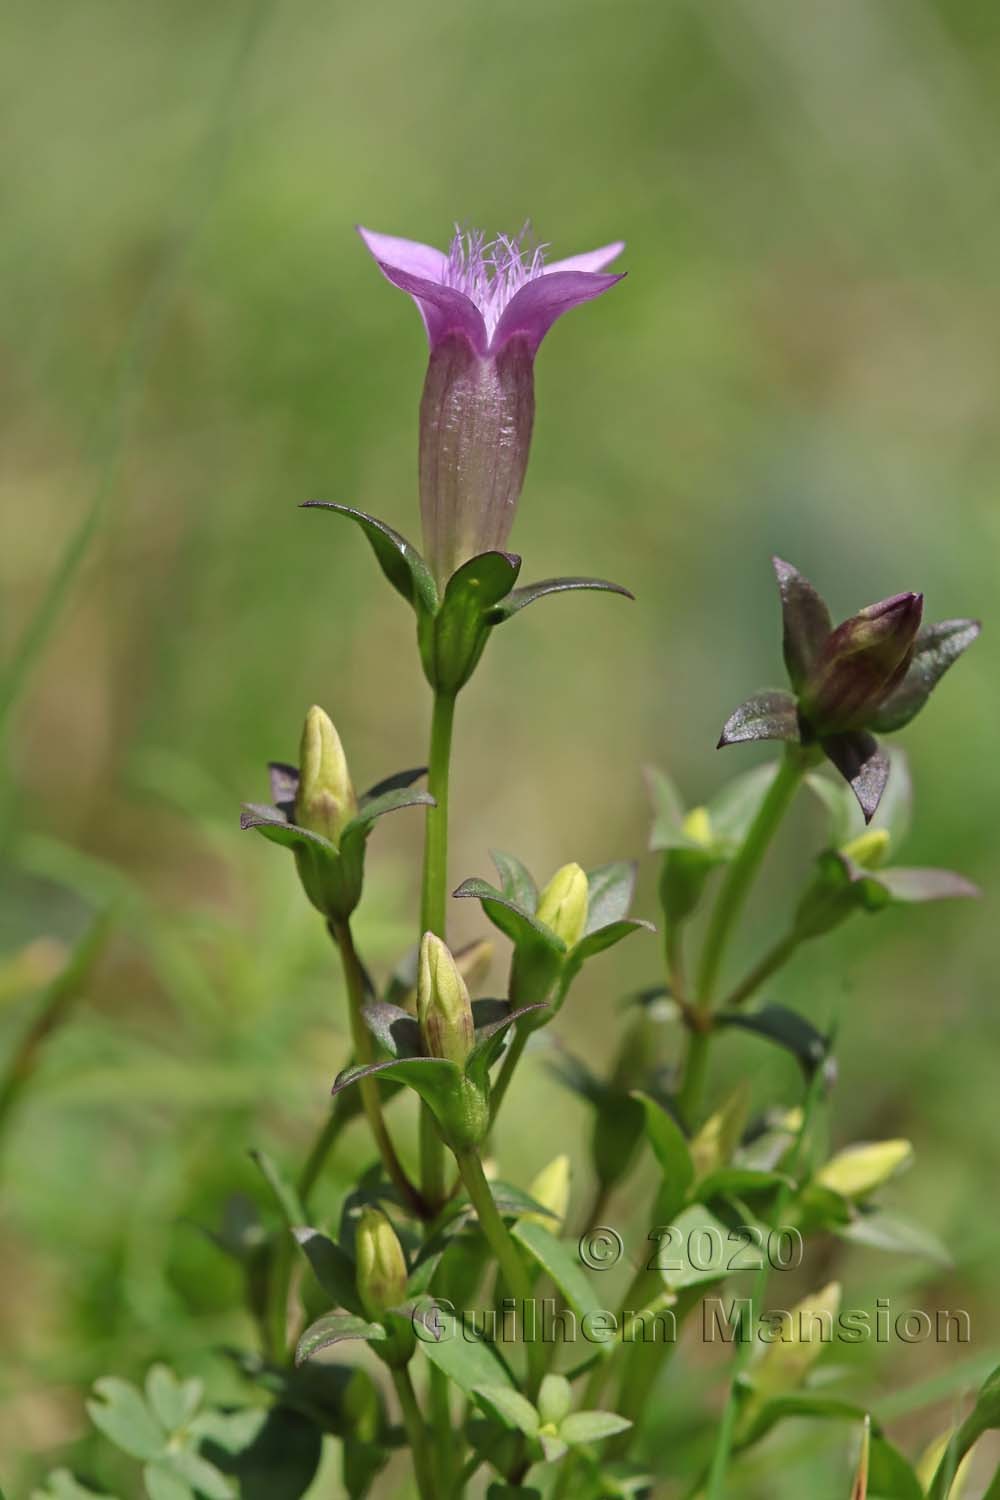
562,905
550,1188
325,801
860,663
804,1333
380,1266
443,1006
869,849
859,1170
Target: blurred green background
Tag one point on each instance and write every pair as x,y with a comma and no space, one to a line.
803,359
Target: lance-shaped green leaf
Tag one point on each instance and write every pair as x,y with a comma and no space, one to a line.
62,1485
394,1029
452,639
670,1147
336,1328
806,621
892,1232
771,715
373,808
890,1475
333,1267
804,1404
984,1417
464,1356
285,1195
738,1183
787,1029
516,881
937,647
668,831
609,893
490,1039
433,1078
392,783
508,1407
399,559
528,593
516,923
607,937
561,1262
582,1427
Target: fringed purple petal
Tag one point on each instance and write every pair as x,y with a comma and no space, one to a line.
444,310
590,260
406,255
532,311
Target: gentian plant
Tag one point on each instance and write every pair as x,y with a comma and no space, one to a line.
436,1265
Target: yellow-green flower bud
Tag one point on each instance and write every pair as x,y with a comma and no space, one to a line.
562,906
443,1006
697,826
550,1188
796,1339
861,1169
380,1264
869,848
325,802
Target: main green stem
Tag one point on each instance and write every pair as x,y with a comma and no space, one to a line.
434,893
728,907
715,1489
416,1432
512,1267
364,1051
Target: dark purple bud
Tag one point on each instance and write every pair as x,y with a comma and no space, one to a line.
860,664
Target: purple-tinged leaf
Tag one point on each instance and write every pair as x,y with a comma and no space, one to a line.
428,1076
399,559
765,716
516,881
284,785
394,1029
489,1040
269,822
805,619
607,937
863,765
787,1029
377,807
609,893
512,920
937,646
528,593
914,884
392,783
334,1328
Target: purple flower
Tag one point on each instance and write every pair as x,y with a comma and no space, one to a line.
486,307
